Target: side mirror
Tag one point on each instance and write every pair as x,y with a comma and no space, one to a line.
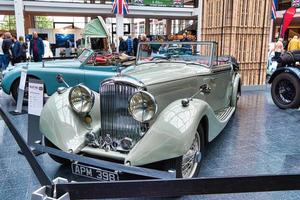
59,78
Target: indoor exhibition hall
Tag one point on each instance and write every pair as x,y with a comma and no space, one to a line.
149,99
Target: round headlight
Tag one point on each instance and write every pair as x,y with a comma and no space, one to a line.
142,106
81,99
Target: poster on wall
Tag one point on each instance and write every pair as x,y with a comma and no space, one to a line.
61,39
296,3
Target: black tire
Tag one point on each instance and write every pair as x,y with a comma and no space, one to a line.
285,91
15,86
60,160
178,161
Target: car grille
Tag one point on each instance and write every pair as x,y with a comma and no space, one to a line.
116,121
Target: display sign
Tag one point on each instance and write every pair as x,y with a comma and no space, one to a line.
296,3
161,3
35,97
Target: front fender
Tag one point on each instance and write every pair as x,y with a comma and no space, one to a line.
171,135
9,78
62,126
292,70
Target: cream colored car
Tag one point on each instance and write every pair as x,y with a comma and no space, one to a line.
165,109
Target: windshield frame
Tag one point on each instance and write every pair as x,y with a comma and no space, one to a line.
213,51
87,58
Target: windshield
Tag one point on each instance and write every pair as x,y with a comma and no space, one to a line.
192,52
85,55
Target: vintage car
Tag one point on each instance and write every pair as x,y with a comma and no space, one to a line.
285,80
86,69
162,110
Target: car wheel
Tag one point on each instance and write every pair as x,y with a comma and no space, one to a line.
188,165
14,90
285,91
60,160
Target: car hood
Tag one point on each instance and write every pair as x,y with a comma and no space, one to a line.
153,73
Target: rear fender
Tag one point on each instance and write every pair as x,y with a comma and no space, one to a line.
63,127
172,133
291,70
235,89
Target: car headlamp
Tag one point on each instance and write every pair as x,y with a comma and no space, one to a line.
142,106
81,99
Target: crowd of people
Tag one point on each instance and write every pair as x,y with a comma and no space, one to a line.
281,46
130,46
15,50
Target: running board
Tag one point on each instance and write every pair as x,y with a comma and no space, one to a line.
225,113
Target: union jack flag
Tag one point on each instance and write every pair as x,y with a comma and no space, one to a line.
120,7
274,5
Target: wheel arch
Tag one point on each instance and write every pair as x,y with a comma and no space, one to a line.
205,125
29,75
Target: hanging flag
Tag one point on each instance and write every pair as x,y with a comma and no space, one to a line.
287,19
274,5
120,7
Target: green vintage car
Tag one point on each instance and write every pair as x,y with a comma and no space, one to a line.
166,109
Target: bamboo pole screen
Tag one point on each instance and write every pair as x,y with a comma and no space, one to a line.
241,28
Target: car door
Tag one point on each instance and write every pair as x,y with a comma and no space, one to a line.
221,83
72,75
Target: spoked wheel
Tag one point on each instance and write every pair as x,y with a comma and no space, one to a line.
188,165
285,91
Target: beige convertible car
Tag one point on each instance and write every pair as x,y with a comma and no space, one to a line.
164,109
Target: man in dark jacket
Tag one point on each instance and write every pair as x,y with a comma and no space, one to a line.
16,51
6,47
36,47
122,45
135,45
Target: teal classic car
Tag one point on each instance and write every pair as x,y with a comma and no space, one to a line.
83,69
163,111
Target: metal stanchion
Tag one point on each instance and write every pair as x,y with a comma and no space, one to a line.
21,92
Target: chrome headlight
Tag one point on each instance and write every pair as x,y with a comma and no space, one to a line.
81,99
142,106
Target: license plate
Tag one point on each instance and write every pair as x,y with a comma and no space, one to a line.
94,173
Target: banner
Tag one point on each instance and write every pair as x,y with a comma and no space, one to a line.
287,19
296,3
160,3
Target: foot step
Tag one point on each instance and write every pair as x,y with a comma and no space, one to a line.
223,114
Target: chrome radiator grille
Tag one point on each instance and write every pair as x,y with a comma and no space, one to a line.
116,120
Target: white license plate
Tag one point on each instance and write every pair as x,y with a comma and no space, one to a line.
94,173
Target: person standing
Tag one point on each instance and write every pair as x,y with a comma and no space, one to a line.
68,49
48,53
1,52
37,47
122,45
135,44
129,45
24,47
279,48
6,47
294,44
16,51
